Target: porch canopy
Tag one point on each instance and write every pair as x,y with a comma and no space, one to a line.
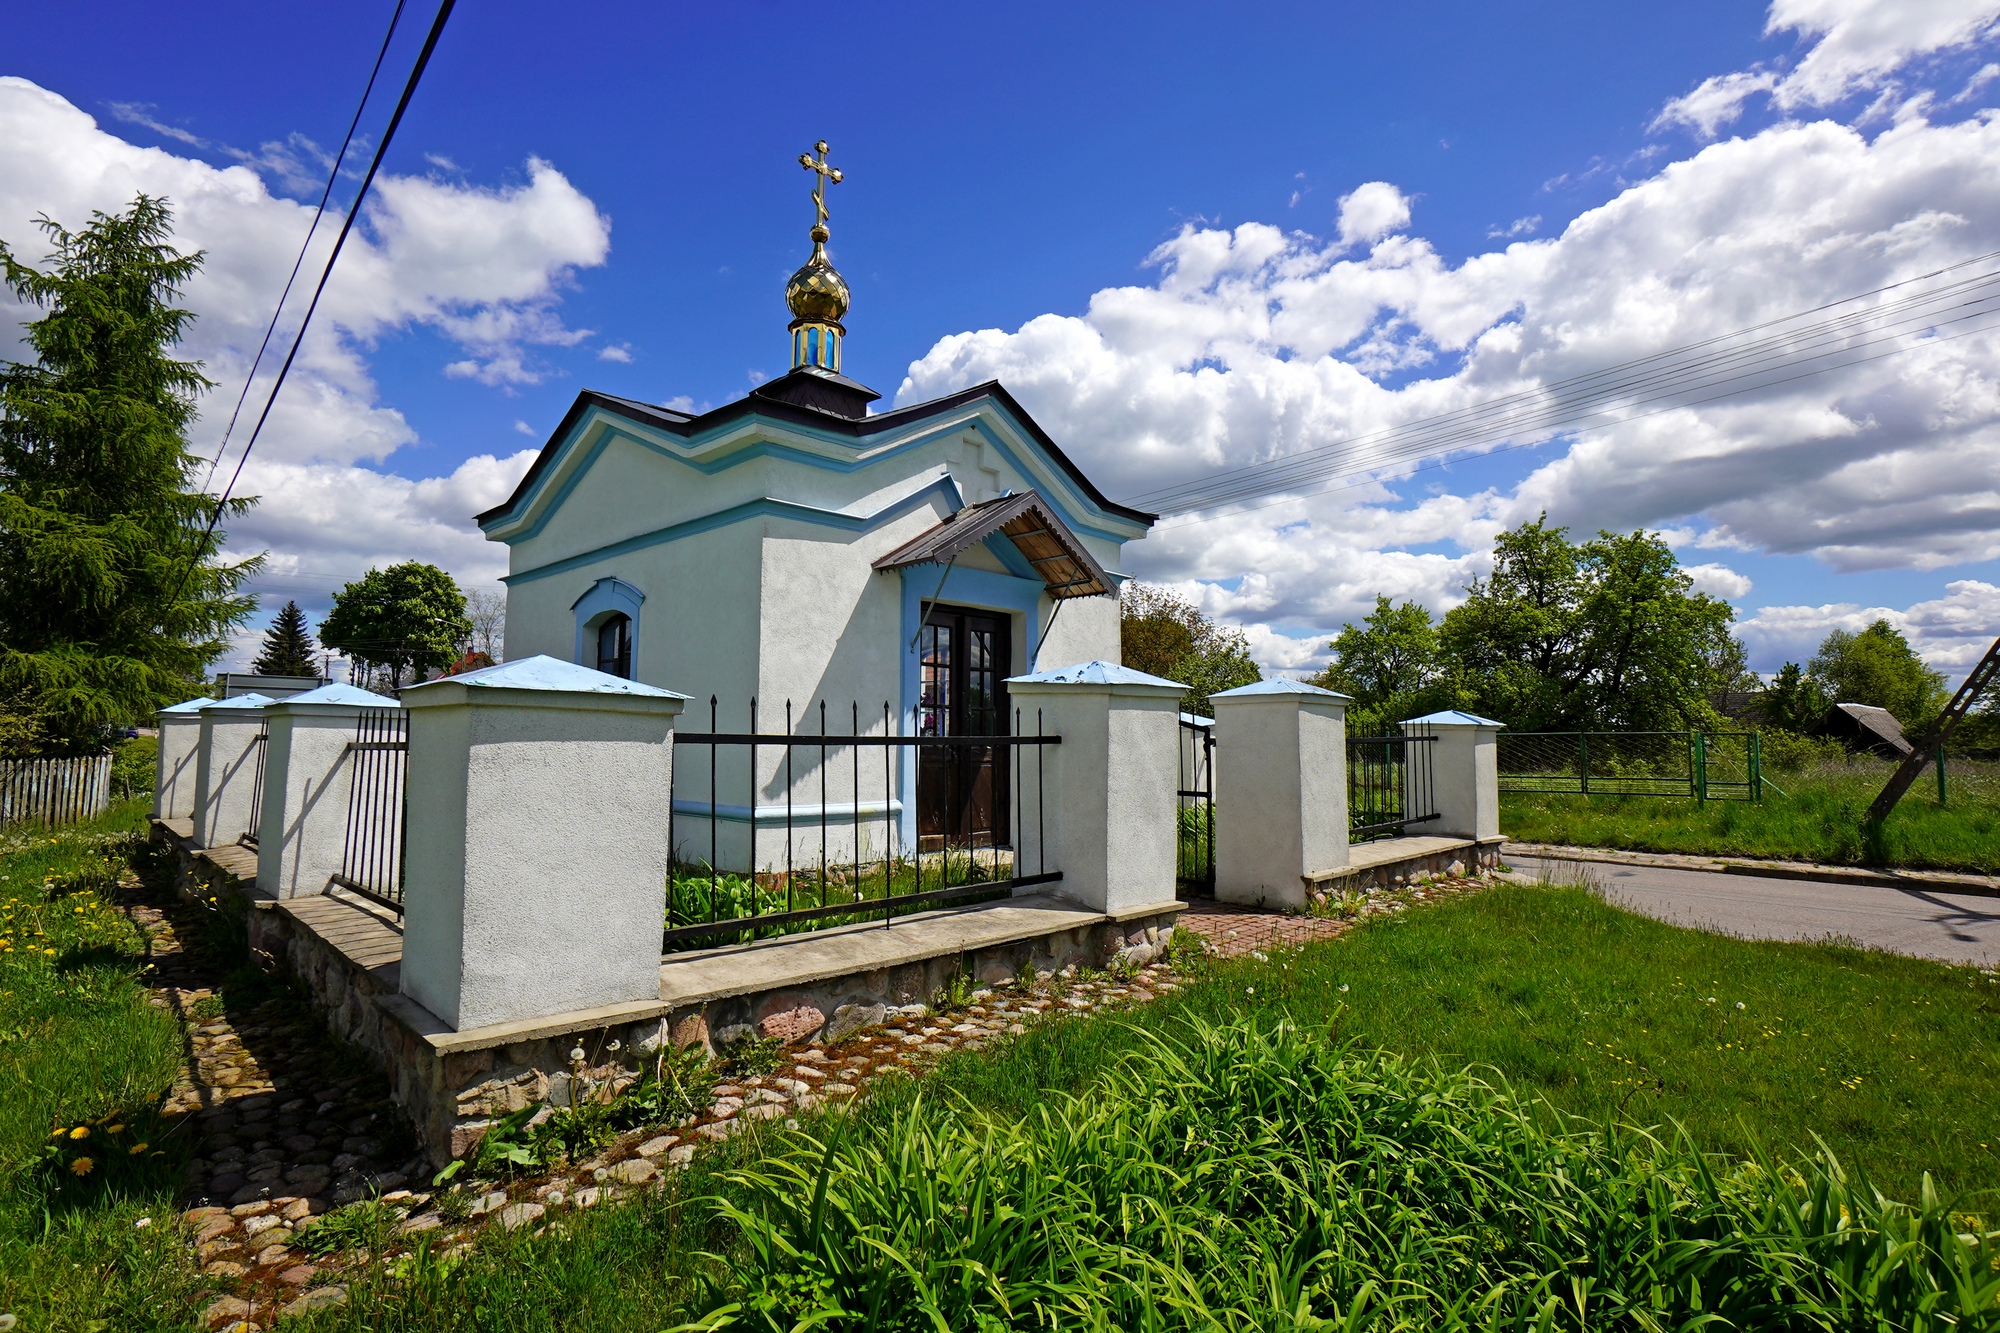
1044,541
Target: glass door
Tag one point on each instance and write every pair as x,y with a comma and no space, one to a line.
962,789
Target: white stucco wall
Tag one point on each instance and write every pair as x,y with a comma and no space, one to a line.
226,766
174,778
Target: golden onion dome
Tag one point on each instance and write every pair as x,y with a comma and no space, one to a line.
817,291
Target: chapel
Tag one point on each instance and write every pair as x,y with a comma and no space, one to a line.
797,548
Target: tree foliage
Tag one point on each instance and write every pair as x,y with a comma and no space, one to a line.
1168,636
288,648
1877,667
408,617
1607,633
111,606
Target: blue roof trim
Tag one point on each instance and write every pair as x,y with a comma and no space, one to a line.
722,518
337,692
1094,673
1282,685
542,672
606,423
1452,717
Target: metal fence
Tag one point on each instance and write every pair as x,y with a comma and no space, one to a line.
1391,785
54,791
371,862
1194,827
1705,766
836,848
260,748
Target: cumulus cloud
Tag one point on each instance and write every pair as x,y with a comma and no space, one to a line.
1371,212
1854,46
1951,631
1719,581
1254,343
483,266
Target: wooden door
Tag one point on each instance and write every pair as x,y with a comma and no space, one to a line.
962,794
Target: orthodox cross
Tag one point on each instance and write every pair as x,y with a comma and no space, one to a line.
826,174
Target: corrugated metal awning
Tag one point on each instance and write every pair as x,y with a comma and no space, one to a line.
1044,541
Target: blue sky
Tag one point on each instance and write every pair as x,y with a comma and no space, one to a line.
1010,164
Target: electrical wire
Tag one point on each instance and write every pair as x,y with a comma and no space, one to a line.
1714,362
347,225
332,175
1190,518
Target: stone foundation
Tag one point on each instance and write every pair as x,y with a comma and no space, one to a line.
1467,857
453,1085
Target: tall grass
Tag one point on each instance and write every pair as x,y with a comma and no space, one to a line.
1820,815
81,1048
1249,1176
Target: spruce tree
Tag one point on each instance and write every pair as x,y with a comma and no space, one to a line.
288,649
112,604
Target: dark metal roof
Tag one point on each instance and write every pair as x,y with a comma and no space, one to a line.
1066,567
786,408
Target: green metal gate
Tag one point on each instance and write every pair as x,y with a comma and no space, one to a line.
1703,765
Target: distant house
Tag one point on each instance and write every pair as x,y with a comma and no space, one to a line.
1864,729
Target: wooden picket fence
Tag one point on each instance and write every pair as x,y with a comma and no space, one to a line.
54,791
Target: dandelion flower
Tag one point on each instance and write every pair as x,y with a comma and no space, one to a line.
576,1053
82,1166
138,1148
80,1132
1249,990
1343,988
1740,1005
115,1129
142,1222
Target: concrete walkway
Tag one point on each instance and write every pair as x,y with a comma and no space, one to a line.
1950,927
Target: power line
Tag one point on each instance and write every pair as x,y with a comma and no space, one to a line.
332,175
347,225
1710,363
1191,517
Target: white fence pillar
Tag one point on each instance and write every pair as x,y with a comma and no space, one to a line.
226,759
308,781
1107,805
1465,774
180,751
1281,757
535,868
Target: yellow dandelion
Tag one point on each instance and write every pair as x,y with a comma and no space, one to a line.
80,1132
138,1148
116,1129
82,1166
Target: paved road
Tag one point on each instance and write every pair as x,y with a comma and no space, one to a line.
1951,927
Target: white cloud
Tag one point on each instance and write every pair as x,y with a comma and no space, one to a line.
1855,46
1256,343
1719,581
620,353
1951,632
1526,226
1371,212
483,266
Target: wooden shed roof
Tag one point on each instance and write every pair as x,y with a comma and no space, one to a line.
1044,541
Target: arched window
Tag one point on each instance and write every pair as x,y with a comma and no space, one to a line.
614,645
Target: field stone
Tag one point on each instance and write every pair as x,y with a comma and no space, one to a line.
298,1275
519,1214
272,1254
636,1171
214,1227
224,1309
488,1203
653,1147
215,1249
257,1226
319,1298
587,1197
299,1209
680,1156
422,1222
765,1111
224,1268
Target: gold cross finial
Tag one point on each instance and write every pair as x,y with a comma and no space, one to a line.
826,175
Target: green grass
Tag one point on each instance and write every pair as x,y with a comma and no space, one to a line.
80,1047
1605,1013
1820,817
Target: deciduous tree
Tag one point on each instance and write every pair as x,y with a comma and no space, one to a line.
1878,667
408,617
1168,636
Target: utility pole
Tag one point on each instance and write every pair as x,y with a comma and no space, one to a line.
1975,684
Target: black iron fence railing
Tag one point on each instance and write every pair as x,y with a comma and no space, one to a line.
371,863
869,824
1194,829
1391,785
259,748
1703,765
